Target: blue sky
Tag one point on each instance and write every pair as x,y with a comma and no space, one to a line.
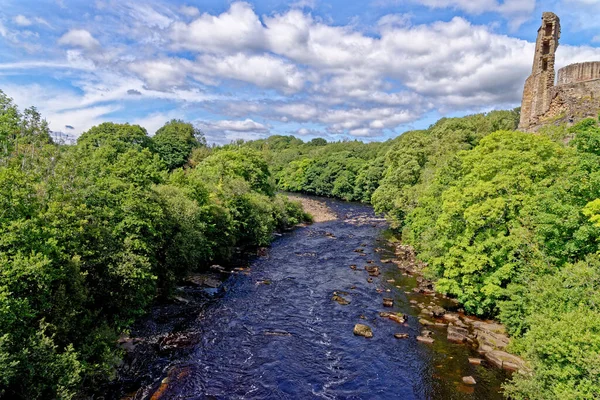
337,69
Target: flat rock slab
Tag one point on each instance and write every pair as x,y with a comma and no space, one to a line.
401,335
425,339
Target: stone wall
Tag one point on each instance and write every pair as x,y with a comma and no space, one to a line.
580,72
571,103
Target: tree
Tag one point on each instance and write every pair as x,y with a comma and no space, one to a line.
175,141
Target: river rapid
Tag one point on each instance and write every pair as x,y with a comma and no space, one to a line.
272,330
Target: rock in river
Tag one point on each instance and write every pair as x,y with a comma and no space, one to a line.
401,335
340,300
425,339
399,318
469,380
388,302
363,330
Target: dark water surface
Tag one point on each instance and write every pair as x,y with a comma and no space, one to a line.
289,340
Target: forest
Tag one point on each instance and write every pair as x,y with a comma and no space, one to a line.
507,222
90,234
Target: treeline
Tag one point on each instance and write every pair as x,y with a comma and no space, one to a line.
508,223
91,234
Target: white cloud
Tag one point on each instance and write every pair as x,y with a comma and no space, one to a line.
79,38
238,29
261,70
246,125
162,74
515,11
22,20
189,11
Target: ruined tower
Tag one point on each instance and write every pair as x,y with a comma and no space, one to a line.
538,87
576,94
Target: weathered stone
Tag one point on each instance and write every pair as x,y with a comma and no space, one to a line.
451,317
401,335
399,318
502,359
426,333
457,334
363,330
475,361
576,94
425,322
438,311
469,380
372,270
340,300
425,339
387,302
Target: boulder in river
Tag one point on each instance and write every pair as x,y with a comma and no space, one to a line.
401,335
370,280
457,334
363,330
372,270
438,312
388,302
340,300
469,380
425,339
399,318
504,360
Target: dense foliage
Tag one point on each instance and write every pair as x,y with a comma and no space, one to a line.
90,234
508,223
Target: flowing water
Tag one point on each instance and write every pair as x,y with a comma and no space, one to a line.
273,331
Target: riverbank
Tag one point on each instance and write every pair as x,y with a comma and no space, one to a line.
488,337
319,211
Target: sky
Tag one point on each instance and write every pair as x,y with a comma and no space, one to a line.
337,69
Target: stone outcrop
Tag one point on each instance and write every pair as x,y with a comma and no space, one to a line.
576,94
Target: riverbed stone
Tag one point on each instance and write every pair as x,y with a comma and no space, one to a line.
438,312
399,318
425,339
504,360
469,380
340,300
457,334
388,302
475,361
372,270
363,330
401,335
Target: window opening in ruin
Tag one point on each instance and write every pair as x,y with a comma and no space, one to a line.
544,65
546,48
548,29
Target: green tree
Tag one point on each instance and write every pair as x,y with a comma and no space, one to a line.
175,141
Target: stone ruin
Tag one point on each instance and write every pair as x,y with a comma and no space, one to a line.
574,96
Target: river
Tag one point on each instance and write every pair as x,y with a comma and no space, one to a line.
272,331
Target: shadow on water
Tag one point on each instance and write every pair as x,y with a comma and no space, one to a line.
273,331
